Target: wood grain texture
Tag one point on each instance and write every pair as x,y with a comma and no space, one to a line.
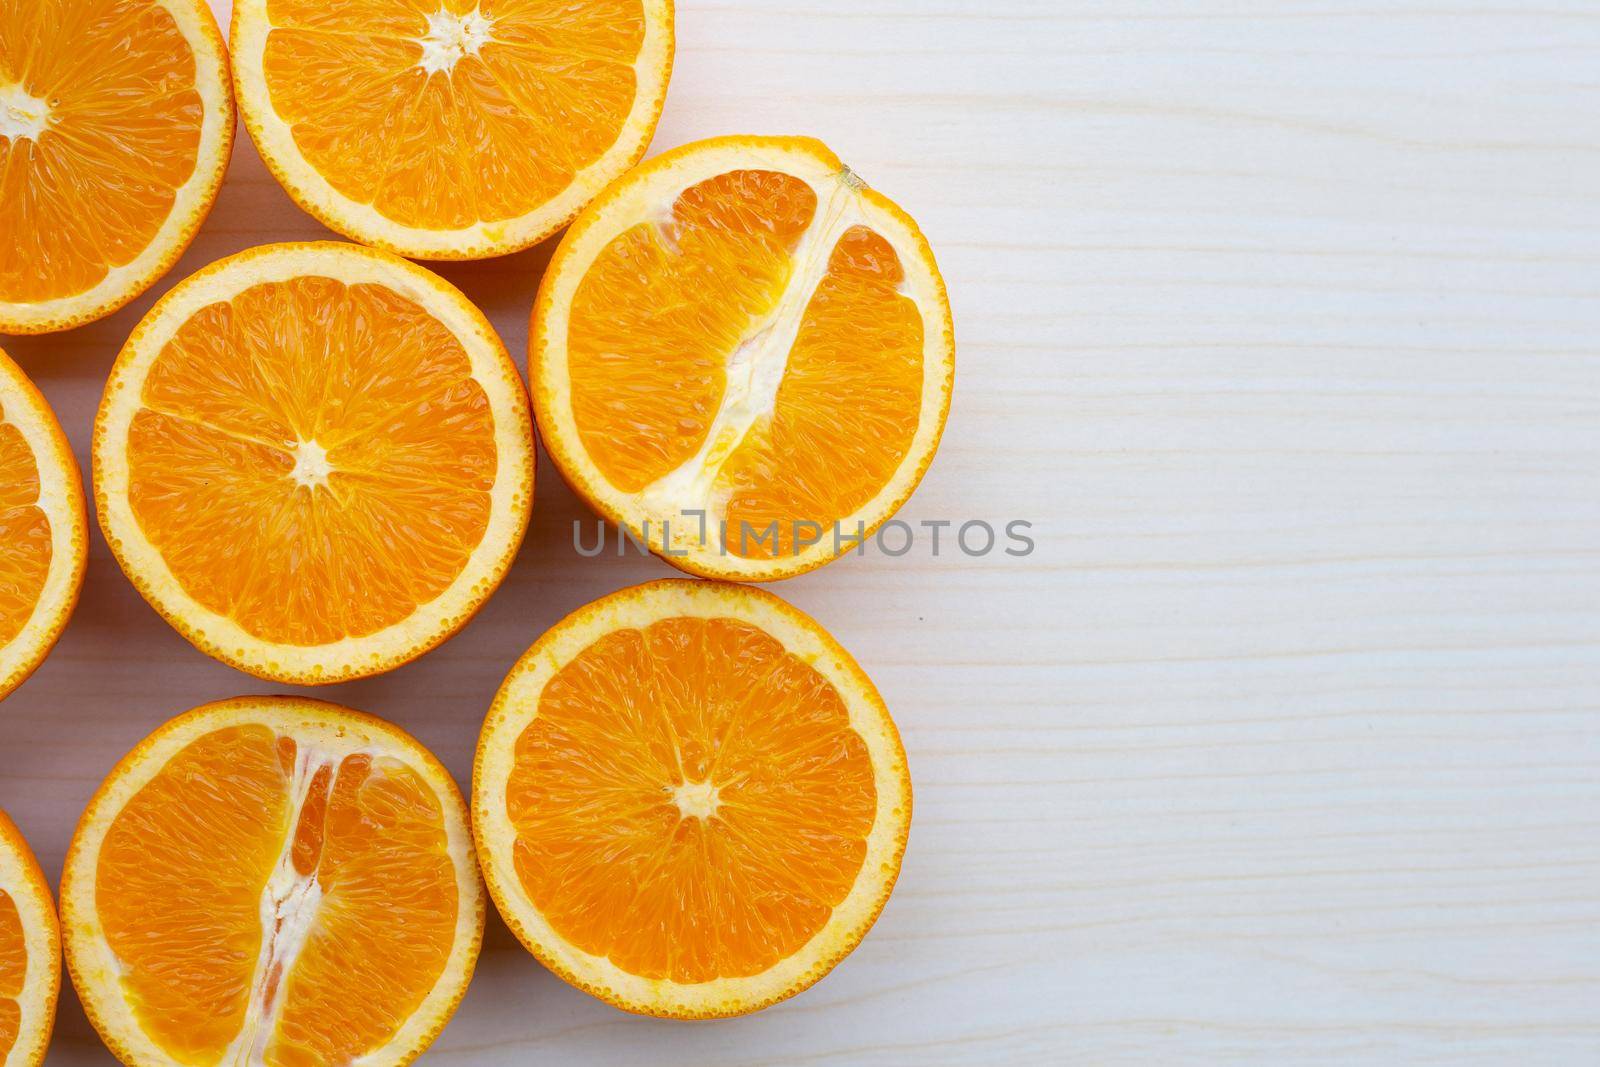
1279,320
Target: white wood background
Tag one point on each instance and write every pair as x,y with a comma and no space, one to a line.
1279,318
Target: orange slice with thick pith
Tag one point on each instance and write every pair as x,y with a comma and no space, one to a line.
116,124
315,460
274,881
744,355
450,129
30,953
44,533
689,800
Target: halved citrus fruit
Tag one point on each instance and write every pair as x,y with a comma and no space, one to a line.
689,800
116,123
315,460
744,355
30,953
44,533
450,129
272,880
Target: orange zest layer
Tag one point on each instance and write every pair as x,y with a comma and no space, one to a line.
691,801
359,881
443,114
113,84
340,429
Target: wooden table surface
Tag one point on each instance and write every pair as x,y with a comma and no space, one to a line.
1278,320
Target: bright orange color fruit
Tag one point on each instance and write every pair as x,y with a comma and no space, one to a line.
315,460
743,354
116,123
44,533
30,953
275,881
450,129
689,800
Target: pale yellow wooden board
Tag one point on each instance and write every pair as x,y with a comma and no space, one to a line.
1279,320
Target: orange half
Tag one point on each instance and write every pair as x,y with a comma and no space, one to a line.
315,460
450,129
44,533
30,953
744,355
689,800
116,123
274,881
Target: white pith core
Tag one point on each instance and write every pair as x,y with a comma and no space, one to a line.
450,37
22,115
755,370
697,800
311,466
289,906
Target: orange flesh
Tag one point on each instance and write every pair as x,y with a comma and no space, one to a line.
368,377
24,533
691,801
666,309
91,190
663,307
522,96
184,870
13,972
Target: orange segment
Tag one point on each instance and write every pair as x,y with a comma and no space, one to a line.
445,128
656,318
744,355
30,953
178,887
43,535
261,865
689,800
13,972
111,149
320,462
24,533
387,921
846,412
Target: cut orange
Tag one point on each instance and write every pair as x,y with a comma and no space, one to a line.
689,800
30,953
273,881
450,129
744,355
44,534
315,460
116,123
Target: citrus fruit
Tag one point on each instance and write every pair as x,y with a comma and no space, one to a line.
744,355
277,881
450,129
116,123
44,534
315,460
689,800
30,953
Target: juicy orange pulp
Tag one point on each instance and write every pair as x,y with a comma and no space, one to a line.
13,972
98,99
24,533
669,309
313,459
691,801
188,861
442,113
